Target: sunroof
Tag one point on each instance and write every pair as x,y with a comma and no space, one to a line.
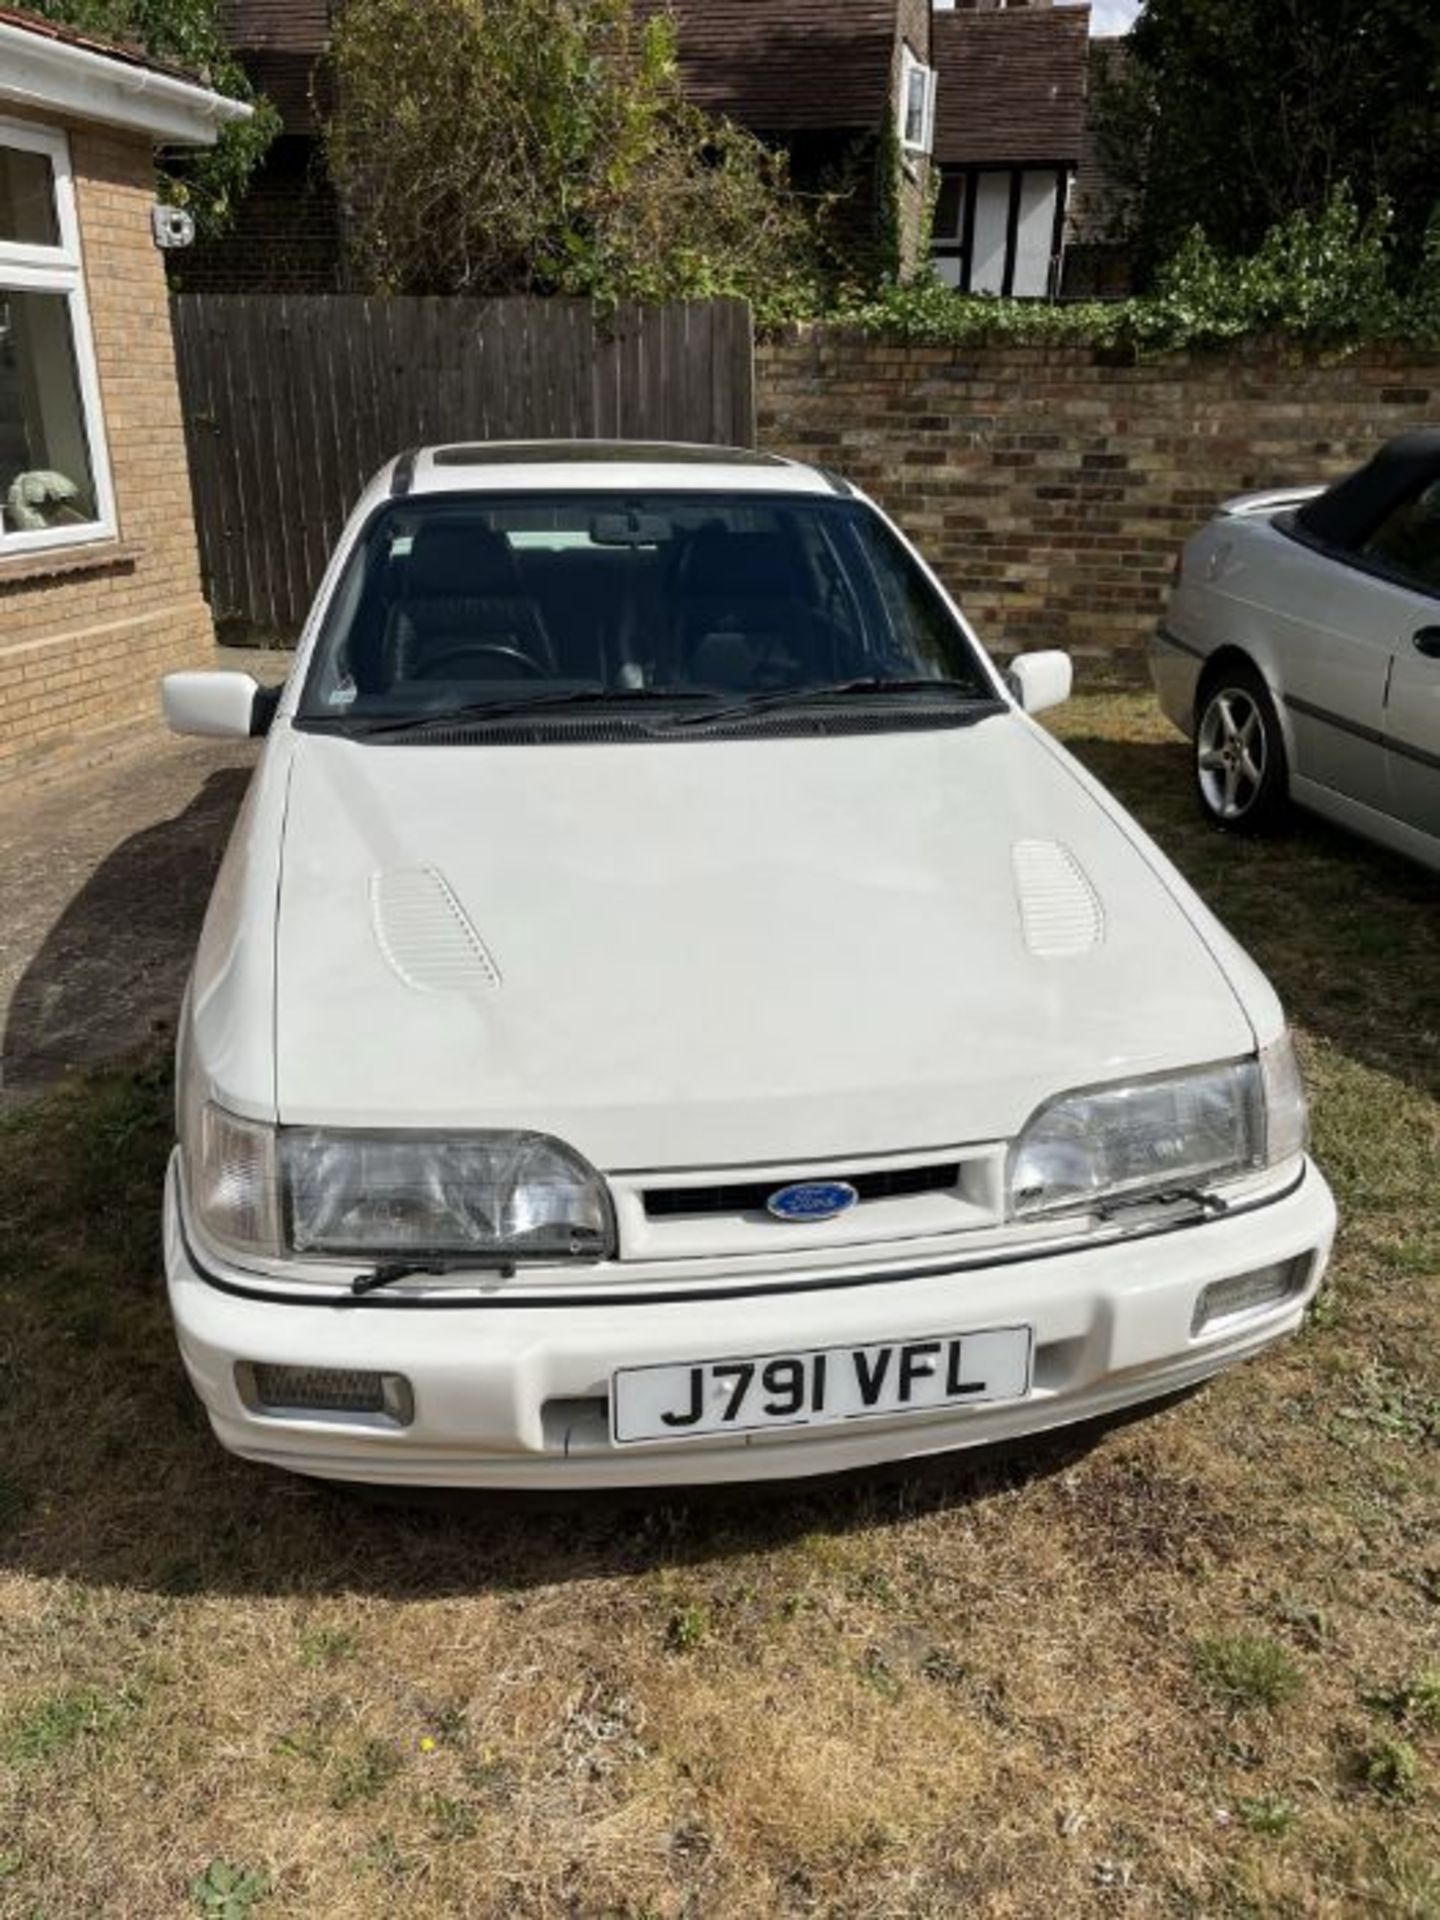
557,453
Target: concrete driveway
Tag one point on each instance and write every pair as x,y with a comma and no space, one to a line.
104,876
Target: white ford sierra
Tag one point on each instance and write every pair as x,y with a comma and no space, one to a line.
667,1013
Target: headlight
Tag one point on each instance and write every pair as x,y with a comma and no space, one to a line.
1146,1137
512,1195
407,1196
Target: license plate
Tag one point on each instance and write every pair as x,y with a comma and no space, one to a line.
821,1388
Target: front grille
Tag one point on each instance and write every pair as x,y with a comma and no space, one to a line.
750,1196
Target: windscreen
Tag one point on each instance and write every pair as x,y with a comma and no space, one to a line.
451,604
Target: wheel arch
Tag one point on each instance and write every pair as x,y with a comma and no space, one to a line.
1232,655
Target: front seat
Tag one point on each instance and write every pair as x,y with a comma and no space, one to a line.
746,620
464,611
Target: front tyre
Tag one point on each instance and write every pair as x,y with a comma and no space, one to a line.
1240,772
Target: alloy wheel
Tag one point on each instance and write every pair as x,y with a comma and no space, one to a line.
1232,752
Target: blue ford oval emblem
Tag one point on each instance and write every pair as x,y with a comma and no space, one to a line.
812,1200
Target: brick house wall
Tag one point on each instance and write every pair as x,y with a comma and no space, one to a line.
1052,487
85,632
913,27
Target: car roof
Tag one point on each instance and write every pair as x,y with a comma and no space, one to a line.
543,466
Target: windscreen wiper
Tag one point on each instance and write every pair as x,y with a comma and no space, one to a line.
518,708
982,703
391,1271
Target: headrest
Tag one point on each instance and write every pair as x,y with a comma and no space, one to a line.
737,566
459,560
1346,514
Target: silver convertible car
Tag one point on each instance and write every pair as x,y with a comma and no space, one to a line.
1301,652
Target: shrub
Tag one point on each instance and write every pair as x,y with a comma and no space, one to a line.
543,146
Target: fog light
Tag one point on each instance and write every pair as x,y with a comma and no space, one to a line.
1248,1293
271,1389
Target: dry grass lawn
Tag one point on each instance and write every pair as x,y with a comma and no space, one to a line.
1185,1666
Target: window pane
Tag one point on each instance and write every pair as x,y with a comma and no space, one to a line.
949,206
45,474
1034,236
992,221
1409,537
917,101
27,198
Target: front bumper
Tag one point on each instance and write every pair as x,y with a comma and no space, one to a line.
515,1394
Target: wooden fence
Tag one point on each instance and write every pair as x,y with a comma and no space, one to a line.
292,403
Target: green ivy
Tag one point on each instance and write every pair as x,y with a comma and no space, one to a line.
186,34
1321,279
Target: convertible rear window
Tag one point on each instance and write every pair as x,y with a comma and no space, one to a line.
454,603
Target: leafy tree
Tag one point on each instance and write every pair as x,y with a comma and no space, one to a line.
1231,115
513,146
186,34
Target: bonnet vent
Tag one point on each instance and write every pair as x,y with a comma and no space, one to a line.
1059,909
426,935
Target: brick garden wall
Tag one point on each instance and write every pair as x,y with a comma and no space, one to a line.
86,632
1052,487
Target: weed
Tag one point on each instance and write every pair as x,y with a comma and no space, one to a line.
1411,1703
363,1775
452,1820
688,1627
386,1856
1268,1814
63,1720
1248,1672
1394,1405
1389,1769
226,1892
327,1646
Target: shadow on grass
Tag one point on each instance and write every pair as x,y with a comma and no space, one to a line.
112,968
1347,933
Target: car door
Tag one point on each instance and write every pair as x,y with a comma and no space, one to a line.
1325,636
1407,545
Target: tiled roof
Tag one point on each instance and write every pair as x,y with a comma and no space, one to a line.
778,66
279,43
784,66
111,49
290,26
1012,84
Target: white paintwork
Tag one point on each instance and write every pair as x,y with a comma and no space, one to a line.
1326,635
214,706
54,76
1044,679
777,958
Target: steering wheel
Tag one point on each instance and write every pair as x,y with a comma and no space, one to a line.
477,650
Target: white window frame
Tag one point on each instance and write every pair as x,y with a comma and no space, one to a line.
910,65
32,267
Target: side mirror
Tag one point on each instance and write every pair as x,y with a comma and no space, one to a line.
216,706
1042,680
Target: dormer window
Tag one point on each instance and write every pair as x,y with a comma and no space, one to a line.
917,104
